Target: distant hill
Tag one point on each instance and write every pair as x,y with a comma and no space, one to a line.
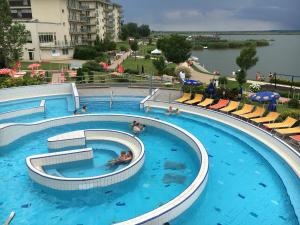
278,32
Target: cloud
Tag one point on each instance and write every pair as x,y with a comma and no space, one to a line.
216,19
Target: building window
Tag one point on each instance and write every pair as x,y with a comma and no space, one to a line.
65,51
47,37
29,38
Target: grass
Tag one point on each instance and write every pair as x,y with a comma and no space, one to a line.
136,64
143,49
44,66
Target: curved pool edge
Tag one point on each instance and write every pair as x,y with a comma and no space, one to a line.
278,146
35,163
169,211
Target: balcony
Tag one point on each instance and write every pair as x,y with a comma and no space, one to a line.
57,44
19,4
80,31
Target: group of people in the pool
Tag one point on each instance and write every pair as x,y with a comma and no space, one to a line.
124,158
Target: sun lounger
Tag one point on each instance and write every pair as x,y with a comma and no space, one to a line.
288,122
296,138
221,104
246,109
233,105
185,97
288,131
206,102
258,112
198,98
271,117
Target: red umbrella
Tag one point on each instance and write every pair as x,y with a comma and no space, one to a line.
5,71
34,65
120,69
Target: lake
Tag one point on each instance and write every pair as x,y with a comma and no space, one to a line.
282,56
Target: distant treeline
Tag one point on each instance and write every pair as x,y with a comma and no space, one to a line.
224,44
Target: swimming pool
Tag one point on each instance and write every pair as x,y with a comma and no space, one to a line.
243,187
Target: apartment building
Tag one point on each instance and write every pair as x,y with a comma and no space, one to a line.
57,26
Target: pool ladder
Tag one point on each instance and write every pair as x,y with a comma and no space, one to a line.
111,99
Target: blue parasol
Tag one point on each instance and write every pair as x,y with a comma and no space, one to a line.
265,96
192,82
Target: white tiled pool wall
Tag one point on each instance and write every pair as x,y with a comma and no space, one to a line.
23,112
85,183
9,94
60,144
168,211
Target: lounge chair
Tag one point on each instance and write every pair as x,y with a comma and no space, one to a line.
233,105
288,131
246,109
271,117
185,97
258,112
287,123
296,138
206,102
221,104
198,98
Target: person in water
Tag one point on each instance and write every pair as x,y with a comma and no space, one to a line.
123,158
84,109
171,111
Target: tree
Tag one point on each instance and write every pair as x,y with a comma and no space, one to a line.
245,61
160,65
144,30
13,36
97,41
175,48
134,47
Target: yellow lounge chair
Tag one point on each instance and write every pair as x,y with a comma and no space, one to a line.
271,117
246,109
206,102
185,97
288,131
258,112
198,98
287,123
233,105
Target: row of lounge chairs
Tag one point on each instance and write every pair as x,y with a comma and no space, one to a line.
248,111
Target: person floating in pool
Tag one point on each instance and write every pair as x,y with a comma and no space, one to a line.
171,111
84,109
124,158
137,127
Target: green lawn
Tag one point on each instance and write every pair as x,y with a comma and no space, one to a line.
143,49
45,66
136,64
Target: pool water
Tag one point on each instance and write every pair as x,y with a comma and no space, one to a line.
56,106
243,188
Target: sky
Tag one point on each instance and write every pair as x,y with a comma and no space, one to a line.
213,15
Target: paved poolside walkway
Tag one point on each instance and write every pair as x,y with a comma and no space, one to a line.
115,64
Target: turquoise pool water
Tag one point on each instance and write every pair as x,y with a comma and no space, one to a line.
243,188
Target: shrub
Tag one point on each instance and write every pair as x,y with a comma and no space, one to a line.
85,53
223,80
184,69
169,71
79,75
290,112
147,56
92,66
91,76
101,57
293,103
254,88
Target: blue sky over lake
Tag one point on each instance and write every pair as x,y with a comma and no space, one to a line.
222,15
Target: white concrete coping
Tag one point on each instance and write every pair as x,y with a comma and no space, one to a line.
24,112
148,97
160,215
76,96
34,163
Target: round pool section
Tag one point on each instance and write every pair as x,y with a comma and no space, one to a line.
36,164
165,212
248,183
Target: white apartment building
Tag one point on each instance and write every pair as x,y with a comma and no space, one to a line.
57,26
